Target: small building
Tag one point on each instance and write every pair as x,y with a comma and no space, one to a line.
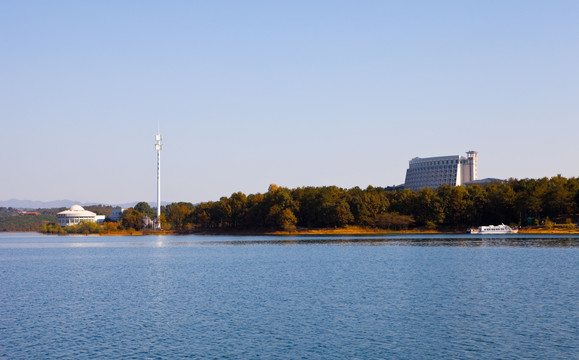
117,214
76,215
148,223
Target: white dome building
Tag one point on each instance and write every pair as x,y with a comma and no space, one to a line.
77,214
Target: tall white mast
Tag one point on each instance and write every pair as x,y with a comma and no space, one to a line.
158,147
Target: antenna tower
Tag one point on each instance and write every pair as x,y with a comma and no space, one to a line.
158,147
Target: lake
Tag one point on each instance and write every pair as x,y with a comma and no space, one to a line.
302,297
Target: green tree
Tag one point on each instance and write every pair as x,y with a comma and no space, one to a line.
358,202
100,209
394,220
402,201
85,227
476,205
309,211
237,202
201,216
176,215
132,219
256,212
287,220
558,199
338,214
500,207
334,210
145,209
528,195
455,202
366,205
52,228
428,207
281,206
283,219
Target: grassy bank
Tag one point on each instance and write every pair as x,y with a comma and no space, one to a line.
357,230
543,230
353,230
348,230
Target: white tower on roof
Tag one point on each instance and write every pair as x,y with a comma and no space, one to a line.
158,147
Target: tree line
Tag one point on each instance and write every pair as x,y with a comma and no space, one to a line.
12,219
516,202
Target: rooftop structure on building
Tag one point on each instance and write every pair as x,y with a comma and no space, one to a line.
433,172
76,215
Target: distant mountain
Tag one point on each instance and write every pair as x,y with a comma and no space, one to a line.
30,204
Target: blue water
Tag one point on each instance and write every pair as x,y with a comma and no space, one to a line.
221,297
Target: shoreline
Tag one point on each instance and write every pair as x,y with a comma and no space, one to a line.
350,230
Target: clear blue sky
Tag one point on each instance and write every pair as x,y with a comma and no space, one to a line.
296,93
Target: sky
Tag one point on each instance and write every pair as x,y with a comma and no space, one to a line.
294,93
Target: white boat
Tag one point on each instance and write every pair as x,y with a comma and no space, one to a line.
493,229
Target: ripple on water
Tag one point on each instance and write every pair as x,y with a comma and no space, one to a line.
249,297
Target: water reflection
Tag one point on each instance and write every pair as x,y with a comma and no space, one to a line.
427,241
424,240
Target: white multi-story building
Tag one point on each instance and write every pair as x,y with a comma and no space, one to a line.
76,215
432,172
117,214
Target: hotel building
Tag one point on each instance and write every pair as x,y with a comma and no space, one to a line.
432,172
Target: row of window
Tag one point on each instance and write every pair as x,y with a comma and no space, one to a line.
422,178
75,220
430,176
439,162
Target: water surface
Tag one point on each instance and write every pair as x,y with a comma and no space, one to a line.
314,297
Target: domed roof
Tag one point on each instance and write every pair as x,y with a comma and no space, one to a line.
76,211
76,208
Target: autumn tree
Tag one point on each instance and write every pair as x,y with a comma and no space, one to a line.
176,215
330,206
132,219
281,207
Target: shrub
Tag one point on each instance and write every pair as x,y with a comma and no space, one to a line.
430,225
